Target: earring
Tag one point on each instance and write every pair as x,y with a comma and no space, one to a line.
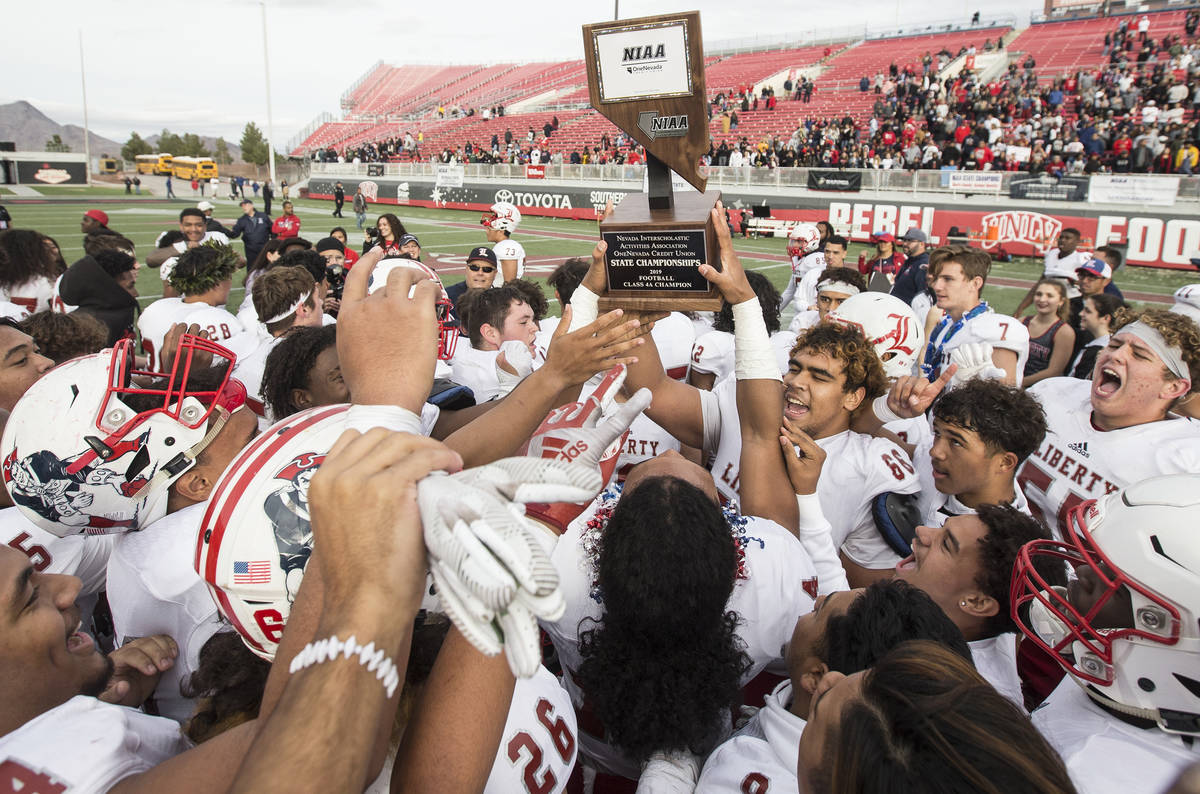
962,603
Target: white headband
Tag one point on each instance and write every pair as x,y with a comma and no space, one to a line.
838,286
291,311
1171,357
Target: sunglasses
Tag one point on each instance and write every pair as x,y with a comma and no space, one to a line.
477,268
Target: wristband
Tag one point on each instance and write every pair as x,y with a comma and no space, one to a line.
390,417
752,354
585,308
883,411
370,657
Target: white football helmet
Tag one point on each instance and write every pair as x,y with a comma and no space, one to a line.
1187,302
803,238
256,538
503,215
1126,628
94,445
447,327
889,324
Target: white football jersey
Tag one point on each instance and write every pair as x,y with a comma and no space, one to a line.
673,336
998,330
85,746
857,468
58,304
802,266
646,440
779,586
713,353
153,588
1077,462
85,556
546,328
153,323
1055,265
538,747
1104,755
250,367
803,321
761,757
35,295
996,660
936,507
476,369
508,249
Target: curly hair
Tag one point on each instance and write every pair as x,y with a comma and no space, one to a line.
288,366
768,301
1006,418
1178,331
62,337
533,296
1008,530
846,343
201,268
25,258
114,261
926,721
94,244
665,664
228,684
888,612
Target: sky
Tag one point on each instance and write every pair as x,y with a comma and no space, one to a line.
149,67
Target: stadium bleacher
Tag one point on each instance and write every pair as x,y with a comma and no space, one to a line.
392,100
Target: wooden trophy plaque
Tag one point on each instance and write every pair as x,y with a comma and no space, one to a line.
647,76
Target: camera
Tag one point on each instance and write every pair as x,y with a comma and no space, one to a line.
372,231
336,276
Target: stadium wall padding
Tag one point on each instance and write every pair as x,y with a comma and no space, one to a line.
1153,237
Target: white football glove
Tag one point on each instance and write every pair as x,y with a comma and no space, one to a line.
518,357
974,360
493,576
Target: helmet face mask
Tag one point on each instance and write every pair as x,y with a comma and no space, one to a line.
94,445
1126,628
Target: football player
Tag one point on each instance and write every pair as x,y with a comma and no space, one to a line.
491,317
193,224
1125,631
500,221
712,353
804,248
958,280
829,288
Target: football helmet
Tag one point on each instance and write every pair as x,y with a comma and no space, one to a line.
95,444
255,538
1126,627
1187,302
889,324
503,215
803,238
447,327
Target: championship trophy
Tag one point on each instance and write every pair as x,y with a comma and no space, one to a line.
647,76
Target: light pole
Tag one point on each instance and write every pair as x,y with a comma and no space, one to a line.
87,144
267,76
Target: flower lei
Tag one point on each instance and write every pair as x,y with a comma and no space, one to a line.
592,535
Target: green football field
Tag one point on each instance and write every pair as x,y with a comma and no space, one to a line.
447,236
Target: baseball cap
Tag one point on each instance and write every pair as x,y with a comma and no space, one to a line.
97,216
915,235
244,202
484,253
330,244
883,237
205,206
409,238
1097,267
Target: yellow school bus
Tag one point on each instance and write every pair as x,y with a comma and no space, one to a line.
154,164
194,167
109,165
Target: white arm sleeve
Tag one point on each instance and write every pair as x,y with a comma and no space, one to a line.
710,410
391,417
816,536
788,294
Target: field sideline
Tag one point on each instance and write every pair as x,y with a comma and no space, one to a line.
447,235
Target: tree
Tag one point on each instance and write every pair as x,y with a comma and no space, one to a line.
134,146
170,143
55,144
193,146
222,155
254,145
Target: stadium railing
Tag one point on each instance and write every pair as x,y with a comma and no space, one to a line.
874,180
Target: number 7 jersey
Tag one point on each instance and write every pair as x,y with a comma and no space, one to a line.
1077,462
